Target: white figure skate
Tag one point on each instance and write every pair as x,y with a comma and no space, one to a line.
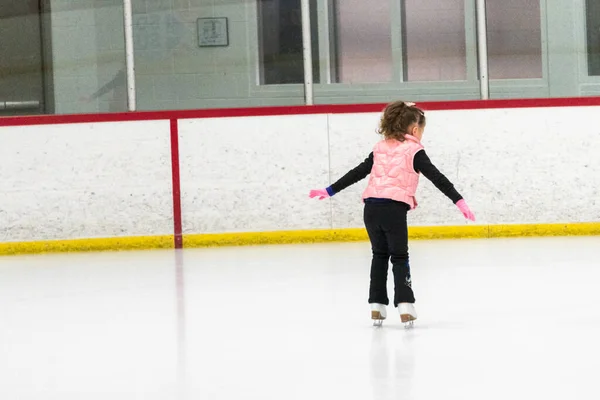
408,314
378,313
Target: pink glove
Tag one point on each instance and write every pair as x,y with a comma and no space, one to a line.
321,193
464,208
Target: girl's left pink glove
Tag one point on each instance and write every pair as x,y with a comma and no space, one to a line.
464,208
320,193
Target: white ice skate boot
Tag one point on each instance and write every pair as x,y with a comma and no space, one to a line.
407,314
378,313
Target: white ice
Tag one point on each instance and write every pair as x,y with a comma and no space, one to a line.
498,319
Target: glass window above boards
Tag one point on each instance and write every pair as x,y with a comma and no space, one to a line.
412,40
593,36
434,40
280,44
431,48
61,57
361,48
514,38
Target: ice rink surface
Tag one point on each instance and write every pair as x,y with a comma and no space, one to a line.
498,319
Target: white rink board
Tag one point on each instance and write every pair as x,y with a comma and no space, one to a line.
85,180
530,165
248,174
253,173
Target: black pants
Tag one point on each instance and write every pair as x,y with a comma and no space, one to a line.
388,233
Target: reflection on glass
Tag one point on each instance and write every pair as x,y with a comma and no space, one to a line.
434,40
514,39
21,63
60,58
280,36
362,42
593,36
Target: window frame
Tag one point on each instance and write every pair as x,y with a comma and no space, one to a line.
397,87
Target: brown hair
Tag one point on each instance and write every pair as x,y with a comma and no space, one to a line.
397,118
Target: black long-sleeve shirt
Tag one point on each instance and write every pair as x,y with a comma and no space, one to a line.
421,163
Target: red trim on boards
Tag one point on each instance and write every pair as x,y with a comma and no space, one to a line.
511,103
293,110
177,233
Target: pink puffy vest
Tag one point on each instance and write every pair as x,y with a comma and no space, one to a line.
393,175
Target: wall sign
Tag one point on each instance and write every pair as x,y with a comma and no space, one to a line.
213,32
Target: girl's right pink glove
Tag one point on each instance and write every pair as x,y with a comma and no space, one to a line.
464,208
320,193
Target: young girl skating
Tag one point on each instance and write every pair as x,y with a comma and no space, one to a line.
394,167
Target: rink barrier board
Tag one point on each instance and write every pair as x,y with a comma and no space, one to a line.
296,237
224,239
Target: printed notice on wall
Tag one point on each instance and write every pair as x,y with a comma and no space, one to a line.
212,32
